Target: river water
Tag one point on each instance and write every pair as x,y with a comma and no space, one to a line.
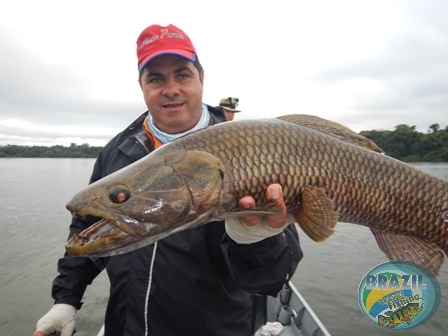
34,227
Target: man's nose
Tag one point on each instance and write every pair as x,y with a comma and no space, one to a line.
171,87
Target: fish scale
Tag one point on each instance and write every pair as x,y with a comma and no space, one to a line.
306,155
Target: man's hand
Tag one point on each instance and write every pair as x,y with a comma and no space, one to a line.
252,229
273,193
61,318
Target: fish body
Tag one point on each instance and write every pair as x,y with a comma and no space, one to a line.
327,176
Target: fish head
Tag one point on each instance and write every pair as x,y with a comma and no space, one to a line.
150,199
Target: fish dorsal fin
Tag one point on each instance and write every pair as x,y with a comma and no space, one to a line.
403,247
332,128
315,214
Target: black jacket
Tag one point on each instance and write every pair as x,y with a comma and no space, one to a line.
195,282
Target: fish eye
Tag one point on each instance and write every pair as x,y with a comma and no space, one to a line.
119,194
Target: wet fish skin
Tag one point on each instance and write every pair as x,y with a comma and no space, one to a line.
200,177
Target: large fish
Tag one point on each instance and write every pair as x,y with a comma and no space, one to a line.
328,173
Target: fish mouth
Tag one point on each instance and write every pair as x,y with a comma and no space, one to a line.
101,238
107,238
115,233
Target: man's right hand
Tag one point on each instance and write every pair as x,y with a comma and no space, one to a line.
61,318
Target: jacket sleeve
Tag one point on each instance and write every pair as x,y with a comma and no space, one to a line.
264,267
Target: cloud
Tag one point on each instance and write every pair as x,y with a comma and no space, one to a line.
367,65
405,83
51,103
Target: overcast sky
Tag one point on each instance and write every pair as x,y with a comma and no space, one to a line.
68,70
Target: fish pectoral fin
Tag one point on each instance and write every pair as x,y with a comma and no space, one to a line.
404,247
315,214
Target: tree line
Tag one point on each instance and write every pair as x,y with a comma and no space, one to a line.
404,143
57,151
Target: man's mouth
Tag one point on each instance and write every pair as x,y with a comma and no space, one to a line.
172,105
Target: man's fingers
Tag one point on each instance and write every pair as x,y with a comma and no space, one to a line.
248,202
275,193
252,229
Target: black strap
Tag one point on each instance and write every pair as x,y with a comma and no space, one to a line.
259,311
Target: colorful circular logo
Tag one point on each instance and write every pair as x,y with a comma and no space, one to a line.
399,295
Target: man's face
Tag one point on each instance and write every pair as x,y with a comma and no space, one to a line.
172,89
228,114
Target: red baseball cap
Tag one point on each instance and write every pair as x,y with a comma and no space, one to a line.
156,40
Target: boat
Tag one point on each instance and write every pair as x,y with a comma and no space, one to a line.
288,313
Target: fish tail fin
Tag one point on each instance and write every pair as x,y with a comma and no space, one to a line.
315,214
398,246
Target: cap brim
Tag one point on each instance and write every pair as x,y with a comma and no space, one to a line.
188,55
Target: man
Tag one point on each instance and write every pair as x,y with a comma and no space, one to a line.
196,282
228,106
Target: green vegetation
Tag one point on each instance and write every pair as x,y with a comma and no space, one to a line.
73,151
406,144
